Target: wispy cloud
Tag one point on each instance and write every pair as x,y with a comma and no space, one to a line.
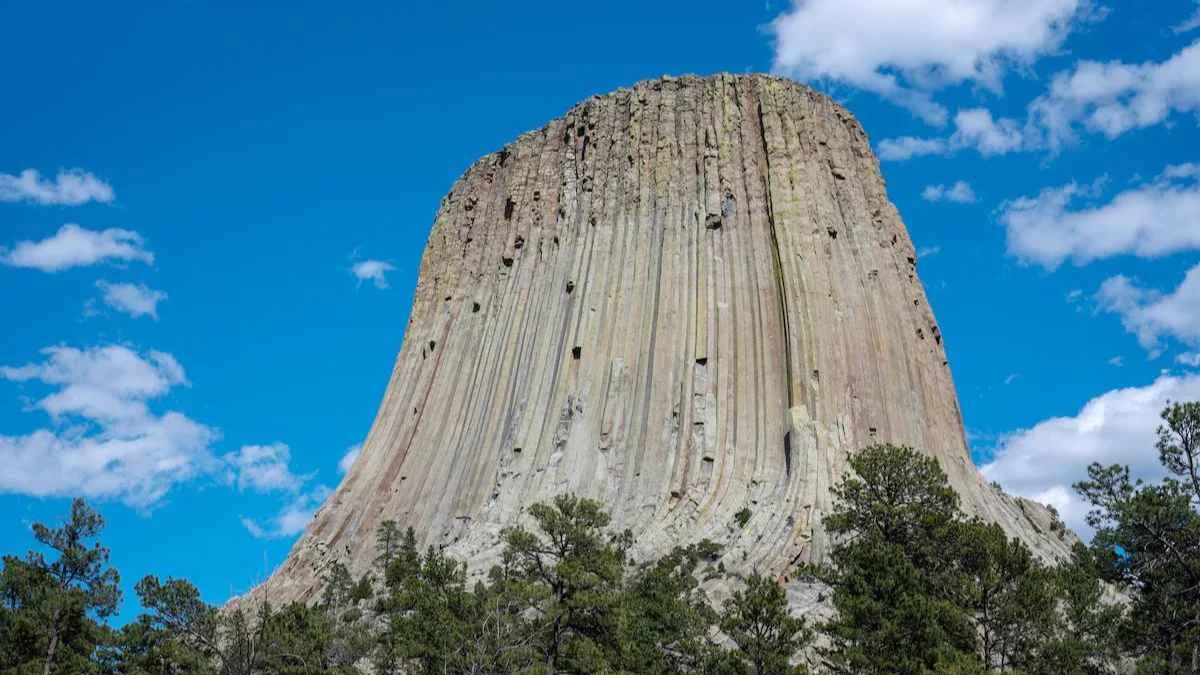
292,518
347,459
263,468
959,193
71,187
74,246
1148,220
1152,315
1112,98
974,129
132,299
374,271
1189,24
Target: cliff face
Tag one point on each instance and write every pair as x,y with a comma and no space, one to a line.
682,299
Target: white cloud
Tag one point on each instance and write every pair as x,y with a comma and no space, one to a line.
1148,220
1190,359
347,459
74,246
1117,362
959,193
907,147
905,50
1044,461
1114,97
1012,377
373,270
133,299
974,128
71,187
927,251
1151,315
292,518
106,442
263,468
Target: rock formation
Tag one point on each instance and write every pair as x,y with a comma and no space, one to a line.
684,299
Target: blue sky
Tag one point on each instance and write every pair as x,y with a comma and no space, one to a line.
211,219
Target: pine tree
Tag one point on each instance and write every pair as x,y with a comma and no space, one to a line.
1148,541
757,619
579,567
50,609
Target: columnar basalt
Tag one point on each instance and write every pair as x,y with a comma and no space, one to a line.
684,299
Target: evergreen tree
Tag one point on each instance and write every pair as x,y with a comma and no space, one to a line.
894,516
1009,597
1148,541
428,615
756,618
579,568
665,617
50,609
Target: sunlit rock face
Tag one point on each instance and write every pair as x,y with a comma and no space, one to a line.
683,299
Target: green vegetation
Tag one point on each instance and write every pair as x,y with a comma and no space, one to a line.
917,587
743,516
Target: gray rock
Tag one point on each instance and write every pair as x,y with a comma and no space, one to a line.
742,310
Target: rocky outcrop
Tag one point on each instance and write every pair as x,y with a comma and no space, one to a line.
684,299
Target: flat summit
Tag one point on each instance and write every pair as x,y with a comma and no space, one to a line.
689,299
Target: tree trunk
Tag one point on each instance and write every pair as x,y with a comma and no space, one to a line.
51,650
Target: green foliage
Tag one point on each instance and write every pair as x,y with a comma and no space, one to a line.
1148,541
757,620
428,613
50,609
919,588
1008,595
574,569
665,616
743,516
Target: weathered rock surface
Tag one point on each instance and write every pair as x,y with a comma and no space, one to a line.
683,299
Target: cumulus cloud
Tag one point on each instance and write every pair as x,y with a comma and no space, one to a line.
1117,427
71,187
132,299
1147,220
106,442
1152,315
292,518
960,193
75,246
903,51
263,468
347,459
374,271
974,129
1113,98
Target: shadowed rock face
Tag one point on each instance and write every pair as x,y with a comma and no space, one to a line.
682,299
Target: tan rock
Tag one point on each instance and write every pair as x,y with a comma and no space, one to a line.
683,299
